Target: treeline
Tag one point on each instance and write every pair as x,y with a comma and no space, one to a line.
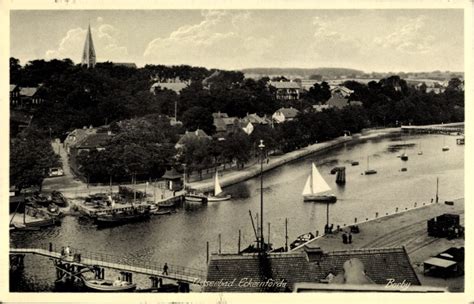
144,143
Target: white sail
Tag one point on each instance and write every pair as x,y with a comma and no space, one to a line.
217,186
319,185
307,187
315,183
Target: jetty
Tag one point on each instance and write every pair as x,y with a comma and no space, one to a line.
456,128
82,261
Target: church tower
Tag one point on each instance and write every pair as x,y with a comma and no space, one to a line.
88,56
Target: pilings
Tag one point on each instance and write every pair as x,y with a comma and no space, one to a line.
17,262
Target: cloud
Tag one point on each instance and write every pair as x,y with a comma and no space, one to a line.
105,39
219,39
330,41
411,36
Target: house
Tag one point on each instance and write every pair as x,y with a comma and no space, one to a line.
279,272
286,90
256,120
246,126
88,141
176,87
285,114
224,123
75,136
193,135
14,94
340,91
23,96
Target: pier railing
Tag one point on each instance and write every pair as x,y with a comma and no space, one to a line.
125,263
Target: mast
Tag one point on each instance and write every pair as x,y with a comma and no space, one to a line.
286,234
437,186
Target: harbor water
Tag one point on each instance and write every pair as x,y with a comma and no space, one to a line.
180,238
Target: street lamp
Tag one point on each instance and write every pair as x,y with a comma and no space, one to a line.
261,146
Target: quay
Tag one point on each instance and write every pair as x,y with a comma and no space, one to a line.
406,229
235,177
83,261
457,128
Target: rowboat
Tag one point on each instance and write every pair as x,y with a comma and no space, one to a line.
109,285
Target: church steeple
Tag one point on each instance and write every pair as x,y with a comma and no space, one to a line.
88,56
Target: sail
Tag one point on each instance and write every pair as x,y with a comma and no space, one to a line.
307,187
318,183
315,183
217,186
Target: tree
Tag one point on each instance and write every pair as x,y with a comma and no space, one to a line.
237,146
198,118
31,157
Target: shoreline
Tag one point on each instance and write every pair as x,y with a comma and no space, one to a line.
236,177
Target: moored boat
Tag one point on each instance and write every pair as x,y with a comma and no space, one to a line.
404,156
123,217
315,186
218,193
369,171
109,285
300,240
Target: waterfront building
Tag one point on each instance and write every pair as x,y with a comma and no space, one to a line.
88,55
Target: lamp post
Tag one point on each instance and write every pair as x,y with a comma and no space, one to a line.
261,146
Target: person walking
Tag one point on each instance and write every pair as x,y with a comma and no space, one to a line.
350,238
165,269
344,238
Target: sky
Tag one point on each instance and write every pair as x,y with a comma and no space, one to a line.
369,40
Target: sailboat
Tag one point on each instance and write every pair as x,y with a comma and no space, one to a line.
218,193
369,171
315,185
420,152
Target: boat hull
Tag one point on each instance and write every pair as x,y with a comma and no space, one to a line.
219,198
369,172
119,220
107,286
320,198
196,198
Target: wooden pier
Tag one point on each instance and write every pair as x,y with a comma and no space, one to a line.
81,261
457,128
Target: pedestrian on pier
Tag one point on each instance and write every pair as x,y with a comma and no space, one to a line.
344,238
350,238
165,269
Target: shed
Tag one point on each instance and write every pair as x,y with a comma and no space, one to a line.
174,180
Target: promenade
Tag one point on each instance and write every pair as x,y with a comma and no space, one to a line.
408,229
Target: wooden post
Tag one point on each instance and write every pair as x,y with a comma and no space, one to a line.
219,243
268,235
207,252
238,244
437,188
286,234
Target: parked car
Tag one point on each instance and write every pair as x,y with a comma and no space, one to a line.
55,171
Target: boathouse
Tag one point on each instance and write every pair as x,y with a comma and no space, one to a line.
173,179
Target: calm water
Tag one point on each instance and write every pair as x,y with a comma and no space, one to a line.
181,238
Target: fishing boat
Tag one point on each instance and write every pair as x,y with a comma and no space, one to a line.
314,187
122,217
355,163
155,210
218,193
369,171
109,285
304,238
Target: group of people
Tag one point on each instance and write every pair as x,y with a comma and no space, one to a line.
347,237
66,251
